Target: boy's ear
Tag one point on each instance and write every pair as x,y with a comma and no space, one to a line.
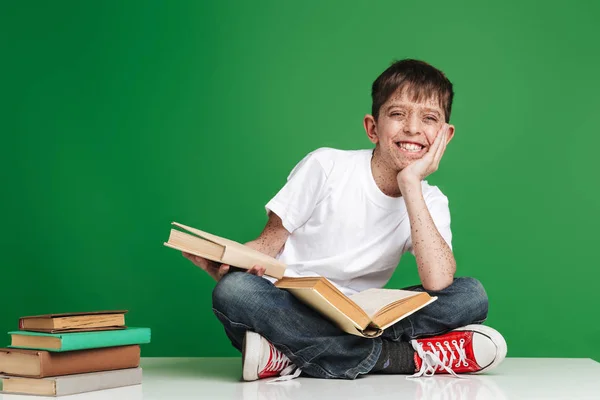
450,133
371,128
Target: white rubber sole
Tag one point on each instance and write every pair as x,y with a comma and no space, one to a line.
495,336
251,351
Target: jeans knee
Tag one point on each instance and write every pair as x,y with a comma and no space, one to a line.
473,297
231,290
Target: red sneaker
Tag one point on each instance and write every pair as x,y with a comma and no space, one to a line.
260,359
470,349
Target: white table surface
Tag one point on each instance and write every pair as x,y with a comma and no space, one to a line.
219,378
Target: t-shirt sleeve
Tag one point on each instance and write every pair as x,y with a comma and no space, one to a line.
437,204
296,201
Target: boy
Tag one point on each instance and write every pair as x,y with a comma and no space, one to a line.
349,216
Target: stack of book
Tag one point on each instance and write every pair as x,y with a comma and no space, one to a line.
63,354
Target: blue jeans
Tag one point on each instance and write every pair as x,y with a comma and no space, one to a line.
243,302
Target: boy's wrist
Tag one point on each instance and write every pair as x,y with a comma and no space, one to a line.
408,185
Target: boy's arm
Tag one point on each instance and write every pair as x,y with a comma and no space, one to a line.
270,242
435,261
273,237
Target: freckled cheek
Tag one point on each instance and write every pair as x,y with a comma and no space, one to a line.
386,133
393,128
431,136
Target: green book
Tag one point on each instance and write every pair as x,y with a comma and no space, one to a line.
78,340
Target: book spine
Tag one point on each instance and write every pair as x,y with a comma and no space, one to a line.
92,360
91,340
233,256
82,383
43,358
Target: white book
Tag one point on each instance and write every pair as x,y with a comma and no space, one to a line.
71,384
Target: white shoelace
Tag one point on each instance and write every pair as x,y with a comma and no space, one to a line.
278,361
287,375
437,357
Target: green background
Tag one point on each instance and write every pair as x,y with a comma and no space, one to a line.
120,117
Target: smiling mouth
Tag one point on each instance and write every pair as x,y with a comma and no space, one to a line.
410,147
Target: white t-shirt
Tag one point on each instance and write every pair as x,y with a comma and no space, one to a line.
342,226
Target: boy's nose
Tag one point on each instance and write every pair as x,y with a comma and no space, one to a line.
413,125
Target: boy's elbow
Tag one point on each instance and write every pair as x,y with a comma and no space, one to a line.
438,283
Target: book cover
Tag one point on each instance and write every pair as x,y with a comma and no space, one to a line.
222,250
78,321
79,340
42,363
71,384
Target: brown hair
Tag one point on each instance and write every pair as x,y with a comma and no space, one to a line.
421,81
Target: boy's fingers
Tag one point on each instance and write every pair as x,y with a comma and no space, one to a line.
441,144
442,147
436,145
200,260
202,265
257,270
440,135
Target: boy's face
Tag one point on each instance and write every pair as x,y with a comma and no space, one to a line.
405,130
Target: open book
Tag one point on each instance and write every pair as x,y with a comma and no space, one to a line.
222,250
364,314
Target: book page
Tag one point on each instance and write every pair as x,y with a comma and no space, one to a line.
373,300
195,245
323,305
324,297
